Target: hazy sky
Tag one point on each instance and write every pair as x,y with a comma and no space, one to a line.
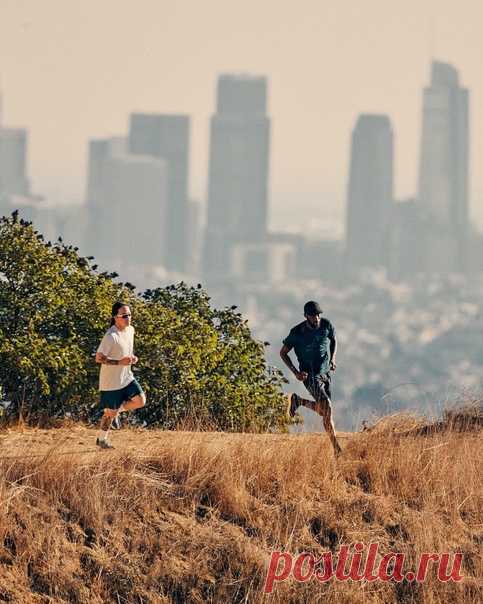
74,69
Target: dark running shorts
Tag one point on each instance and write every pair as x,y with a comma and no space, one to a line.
319,386
113,399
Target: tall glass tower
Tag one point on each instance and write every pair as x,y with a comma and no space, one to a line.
444,168
238,171
370,192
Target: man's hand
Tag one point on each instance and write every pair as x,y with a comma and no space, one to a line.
301,375
100,358
134,359
332,365
104,360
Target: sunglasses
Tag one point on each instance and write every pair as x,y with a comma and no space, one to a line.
126,316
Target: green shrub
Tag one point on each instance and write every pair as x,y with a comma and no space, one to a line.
195,361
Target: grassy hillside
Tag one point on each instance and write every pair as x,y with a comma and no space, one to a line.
194,517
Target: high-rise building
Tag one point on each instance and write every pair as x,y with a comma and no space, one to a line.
14,182
13,162
406,247
443,170
134,195
168,137
238,171
194,237
99,152
370,192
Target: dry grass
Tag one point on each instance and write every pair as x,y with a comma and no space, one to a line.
193,517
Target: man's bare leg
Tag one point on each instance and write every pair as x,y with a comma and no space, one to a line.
136,402
324,409
106,421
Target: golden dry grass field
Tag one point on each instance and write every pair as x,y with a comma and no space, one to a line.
194,516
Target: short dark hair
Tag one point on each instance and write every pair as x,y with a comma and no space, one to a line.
115,309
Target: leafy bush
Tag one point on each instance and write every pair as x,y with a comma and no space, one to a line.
195,361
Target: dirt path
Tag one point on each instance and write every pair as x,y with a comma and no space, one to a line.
78,439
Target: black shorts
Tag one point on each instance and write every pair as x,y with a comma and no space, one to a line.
113,399
319,386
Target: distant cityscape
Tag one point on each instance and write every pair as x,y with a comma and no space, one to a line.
138,220
137,216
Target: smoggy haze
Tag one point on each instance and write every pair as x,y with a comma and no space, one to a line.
72,70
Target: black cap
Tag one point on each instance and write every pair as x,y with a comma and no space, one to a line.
312,308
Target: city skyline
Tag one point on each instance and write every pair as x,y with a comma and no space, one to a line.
149,171
315,95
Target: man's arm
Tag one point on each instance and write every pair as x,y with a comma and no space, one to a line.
134,358
104,360
105,347
300,375
333,352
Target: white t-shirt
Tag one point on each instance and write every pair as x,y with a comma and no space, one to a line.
116,344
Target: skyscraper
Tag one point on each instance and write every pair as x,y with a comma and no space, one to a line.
238,171
443,170
193,237
406,249
370,191
134,195
167,137
14,183
98,210
100,150
13,162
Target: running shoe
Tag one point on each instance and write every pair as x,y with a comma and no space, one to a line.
104,444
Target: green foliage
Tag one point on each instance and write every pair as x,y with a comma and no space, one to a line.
195,361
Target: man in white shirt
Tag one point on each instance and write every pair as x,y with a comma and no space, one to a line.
119,389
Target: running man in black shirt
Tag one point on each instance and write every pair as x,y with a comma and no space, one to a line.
315,347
